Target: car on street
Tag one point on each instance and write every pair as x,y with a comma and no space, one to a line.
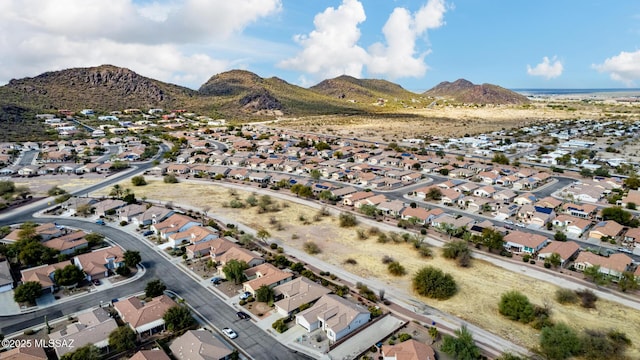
245,295
625,250
521,224
508,222
100,222
243,315
96,282
229,333
147,233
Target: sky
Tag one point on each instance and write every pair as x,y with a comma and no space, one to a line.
414,43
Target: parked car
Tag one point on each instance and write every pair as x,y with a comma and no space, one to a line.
625,250
508,222
229,333
245,295
216,280
147,233
96,282
243,315
100,222
521,224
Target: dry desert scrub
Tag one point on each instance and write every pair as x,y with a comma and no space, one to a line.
480,285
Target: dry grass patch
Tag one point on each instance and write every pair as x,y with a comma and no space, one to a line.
480,286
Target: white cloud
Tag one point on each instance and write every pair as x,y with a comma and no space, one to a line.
332,48
155,39
548,68
624,67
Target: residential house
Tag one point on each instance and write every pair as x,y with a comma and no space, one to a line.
295,293
152,215
349,200
523,242
128,212
43,274
585,211
68,244
240,254
549,202
632,236
199,345
506,196
572,225
567,250
408,350
391,207
450,197
6,280
524,199
174,224
336,316
144,316
632,197
108,206
97,264
485,191
153,354
613,265
264,274
540,219
73,203
193,235
420,214
91,328
373,200
609,228
32,352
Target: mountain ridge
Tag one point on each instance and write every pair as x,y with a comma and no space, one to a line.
464,91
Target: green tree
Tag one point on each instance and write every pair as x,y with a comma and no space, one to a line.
132,258
628,282
122,339
68,275
178,318
554,260
619,215
593,273
492,239
138,180
87,352
559,342
56,191
347,219
586,173
500,158
434,283
316,174
516,306
263,235
154,288
264,294
560,236
434,194
116,191
123,271
94,239
33,253
369,210
234,270
632,182
458,249
462,346
27,292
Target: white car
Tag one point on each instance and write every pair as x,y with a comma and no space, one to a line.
229,333
508,222
245,295
521,224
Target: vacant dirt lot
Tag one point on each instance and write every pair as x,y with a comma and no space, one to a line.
39,185
480,285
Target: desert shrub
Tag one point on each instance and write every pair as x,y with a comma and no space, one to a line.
347,219
396,269
387,259
311,248
279,325
516,306
588,298
350,261
434,283
566,296
404,337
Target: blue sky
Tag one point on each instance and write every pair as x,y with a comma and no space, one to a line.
415,43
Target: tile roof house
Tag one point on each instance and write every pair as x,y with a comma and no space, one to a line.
632,197
106,206
573,225
613,265
291,295
336,316
174,224
154,354
264,274
523,242
193,235
128,212
241,254
92,327
408,350
632,235
152,215
199,345
98,263
419,213
144,316
567,251
43,274
351,199
24,353
582,211
608,228
69,243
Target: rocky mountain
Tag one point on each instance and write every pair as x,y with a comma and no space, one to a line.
361,90
464,91
104,87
